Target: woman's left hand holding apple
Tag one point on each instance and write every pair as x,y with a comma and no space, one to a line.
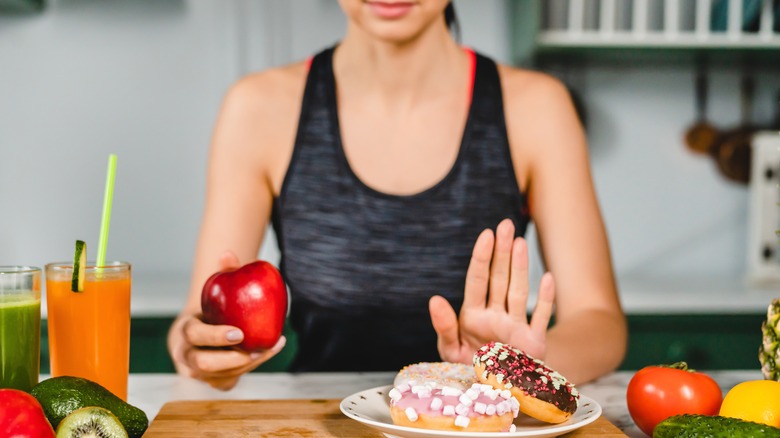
495,301
203,351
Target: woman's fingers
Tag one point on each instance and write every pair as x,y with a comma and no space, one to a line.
540,319
200,334
218,362
445,323
517,300
223,384
500,266
478,273
216,365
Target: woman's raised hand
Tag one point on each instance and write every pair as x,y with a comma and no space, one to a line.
495,301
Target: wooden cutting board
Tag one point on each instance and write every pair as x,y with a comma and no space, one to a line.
284,418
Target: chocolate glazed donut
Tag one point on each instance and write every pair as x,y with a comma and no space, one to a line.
543,393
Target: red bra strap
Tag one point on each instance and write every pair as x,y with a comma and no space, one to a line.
472,71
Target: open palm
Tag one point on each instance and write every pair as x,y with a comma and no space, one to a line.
495,301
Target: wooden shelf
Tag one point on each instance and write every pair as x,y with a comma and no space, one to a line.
724,32
717,57
718,41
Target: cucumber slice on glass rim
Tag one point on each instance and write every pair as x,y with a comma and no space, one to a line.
79,267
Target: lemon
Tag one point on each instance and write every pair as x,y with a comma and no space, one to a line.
753,400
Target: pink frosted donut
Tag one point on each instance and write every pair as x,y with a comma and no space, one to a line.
457,375
543,393
481,408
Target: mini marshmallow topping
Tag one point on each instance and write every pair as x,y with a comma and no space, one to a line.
459,405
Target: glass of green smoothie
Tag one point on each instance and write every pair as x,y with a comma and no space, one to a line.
20,326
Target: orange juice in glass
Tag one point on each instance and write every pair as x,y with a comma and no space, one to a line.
89,331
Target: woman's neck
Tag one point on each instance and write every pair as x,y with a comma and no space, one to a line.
427,66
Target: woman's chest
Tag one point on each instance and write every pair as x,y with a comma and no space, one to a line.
402,152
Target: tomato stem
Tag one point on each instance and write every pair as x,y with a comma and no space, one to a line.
682,365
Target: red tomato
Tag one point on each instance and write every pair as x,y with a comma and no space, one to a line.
657,392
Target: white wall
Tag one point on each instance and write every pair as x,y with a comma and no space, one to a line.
85,79
144,79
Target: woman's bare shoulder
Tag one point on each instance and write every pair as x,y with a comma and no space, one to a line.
258,120
538,106
541,120
524,88
275,90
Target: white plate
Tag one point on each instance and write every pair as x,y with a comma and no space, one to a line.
372,408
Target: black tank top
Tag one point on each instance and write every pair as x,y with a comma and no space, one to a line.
361,265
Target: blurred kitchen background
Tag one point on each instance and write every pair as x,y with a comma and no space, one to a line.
144,79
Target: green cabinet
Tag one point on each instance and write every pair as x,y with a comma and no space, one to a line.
707,342
149,348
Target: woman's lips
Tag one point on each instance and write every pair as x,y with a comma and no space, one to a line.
390,10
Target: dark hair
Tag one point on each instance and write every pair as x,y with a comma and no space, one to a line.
451,18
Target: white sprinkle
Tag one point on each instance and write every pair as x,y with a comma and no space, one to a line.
462,421
395,395
436,404
449,410
411,414
480,408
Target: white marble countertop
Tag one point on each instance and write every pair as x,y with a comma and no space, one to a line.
150,391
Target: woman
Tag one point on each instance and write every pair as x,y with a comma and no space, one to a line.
384,164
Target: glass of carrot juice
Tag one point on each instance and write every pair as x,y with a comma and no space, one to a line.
89,331
20,326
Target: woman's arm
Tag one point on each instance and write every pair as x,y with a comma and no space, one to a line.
248,155
550,154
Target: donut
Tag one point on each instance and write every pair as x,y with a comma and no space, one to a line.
480,408
543,394
438,374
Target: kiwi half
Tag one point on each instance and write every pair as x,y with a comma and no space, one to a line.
91,422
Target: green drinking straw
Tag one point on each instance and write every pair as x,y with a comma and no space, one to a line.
106,220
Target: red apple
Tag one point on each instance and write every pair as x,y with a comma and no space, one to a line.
21,416
252,298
